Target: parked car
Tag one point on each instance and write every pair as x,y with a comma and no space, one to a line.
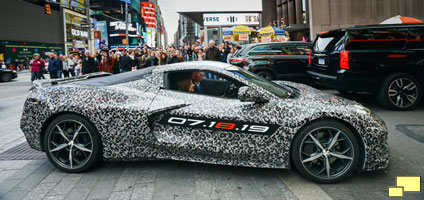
282,60
7,75
239,119
384,60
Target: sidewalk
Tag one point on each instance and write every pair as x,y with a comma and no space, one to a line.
158,180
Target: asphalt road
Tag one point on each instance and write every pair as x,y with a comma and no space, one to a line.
406,138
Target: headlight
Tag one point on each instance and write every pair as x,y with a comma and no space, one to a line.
14,71
362,109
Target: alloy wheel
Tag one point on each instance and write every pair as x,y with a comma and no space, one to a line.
70,144
402,92
326,153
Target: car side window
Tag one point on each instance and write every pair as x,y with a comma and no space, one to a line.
415,39
259,50
204,82
379,38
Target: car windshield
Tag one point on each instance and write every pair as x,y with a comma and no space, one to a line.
277,90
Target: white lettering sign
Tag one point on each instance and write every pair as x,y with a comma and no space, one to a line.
121,26
231,19
79,33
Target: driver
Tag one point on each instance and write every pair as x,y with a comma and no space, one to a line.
196,78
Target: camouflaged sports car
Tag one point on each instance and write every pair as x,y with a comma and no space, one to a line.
205,112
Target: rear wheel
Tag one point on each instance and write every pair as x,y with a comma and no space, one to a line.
400,91
325,151
72,143
6,77
266,75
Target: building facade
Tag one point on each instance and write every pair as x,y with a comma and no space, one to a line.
306,18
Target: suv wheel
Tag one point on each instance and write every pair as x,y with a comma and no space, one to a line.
400,91
325,151
6,77
266,75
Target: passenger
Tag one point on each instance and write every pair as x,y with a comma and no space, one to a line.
196,78
186,85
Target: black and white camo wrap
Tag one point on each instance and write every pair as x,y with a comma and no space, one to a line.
127,118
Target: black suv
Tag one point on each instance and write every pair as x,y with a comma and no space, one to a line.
385,60
281,60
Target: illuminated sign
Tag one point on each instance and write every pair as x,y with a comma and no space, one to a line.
148,13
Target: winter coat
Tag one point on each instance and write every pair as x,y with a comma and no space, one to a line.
213,54
152,61
88,65
53,65
37,65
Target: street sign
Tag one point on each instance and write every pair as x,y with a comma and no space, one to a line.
97,12
87,25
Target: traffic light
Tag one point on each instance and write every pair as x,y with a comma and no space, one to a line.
98,34
47,7
124,42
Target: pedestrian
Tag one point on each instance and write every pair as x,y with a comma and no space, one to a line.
124,61
152,60
201,55
73,61
88,64
36,66
116,64
172,58
179,56
53,66
66,66
213,53
107,63
163,58
78,68
59,59
223,55
230,55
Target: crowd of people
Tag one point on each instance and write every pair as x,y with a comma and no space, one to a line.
58,65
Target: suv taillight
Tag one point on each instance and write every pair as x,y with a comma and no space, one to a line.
310,57
344,60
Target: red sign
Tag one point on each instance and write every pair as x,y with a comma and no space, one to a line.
148,13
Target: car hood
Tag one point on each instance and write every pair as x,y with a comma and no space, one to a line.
308,93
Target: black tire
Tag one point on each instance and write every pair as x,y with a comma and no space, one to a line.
301,146
6,77
390,83
51,137
266,75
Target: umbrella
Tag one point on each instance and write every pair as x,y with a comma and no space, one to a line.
401,20
238,30
271,31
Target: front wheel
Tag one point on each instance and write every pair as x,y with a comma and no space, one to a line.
6,77
325,151
72,143
400,92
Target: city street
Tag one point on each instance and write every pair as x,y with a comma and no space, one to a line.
36,178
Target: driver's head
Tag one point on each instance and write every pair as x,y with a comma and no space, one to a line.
196,76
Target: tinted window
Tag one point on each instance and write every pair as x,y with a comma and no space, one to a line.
259,50
323,44
415,38
387,38
289,50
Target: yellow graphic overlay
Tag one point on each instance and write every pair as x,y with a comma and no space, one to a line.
409,183
405,184
395,192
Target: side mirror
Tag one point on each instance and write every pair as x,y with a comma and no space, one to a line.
248,94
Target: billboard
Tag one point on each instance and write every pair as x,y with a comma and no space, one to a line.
104,42
218,6
148,13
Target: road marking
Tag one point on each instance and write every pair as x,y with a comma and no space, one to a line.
302,188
